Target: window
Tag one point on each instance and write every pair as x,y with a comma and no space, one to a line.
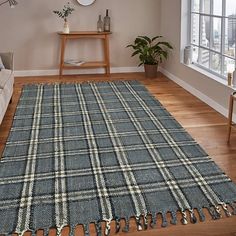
213,35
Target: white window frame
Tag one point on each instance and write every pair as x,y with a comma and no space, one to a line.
223,18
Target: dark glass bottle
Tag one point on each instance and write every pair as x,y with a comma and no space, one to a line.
107,22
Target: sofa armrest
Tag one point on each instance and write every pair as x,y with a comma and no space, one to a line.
7,59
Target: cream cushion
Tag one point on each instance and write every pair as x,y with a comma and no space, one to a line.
6,82
4,77
1,64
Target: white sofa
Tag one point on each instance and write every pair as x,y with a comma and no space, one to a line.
6,83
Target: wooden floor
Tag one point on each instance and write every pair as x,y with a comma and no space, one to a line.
204,124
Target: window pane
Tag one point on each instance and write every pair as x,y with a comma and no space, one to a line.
204,57
230,35
206,7
231,8
216,62
216,39
229,65
195,29
217,7
196,5
205,31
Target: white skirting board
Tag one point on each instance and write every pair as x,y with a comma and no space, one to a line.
174,78
22,73
203,97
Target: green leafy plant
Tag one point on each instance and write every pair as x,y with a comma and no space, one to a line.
65,12
151,51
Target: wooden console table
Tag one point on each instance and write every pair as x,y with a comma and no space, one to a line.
83,35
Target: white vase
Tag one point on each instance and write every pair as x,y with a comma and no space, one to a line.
188,55
66,29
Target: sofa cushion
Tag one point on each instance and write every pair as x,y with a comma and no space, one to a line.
1,64
4,76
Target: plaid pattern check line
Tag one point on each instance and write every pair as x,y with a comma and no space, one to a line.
95,160
26,197
82,153
60,181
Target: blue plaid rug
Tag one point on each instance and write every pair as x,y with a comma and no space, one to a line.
82,153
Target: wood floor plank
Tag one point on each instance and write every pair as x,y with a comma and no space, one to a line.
206,126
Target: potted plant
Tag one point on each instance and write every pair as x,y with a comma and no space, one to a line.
64,13
151,52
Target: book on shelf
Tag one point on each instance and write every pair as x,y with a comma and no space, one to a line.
74,62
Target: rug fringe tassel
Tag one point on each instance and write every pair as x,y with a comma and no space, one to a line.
201,215
193,218
33,233
145,221
138,222
215,212
99,228
153,222
226,210
164,220
108,228
233,206
173,220
72,231
46,232
184,219
59,230
117,230
86,230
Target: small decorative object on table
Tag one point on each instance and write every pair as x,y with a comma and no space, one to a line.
64,13
74,62
234,78
100,24
229,79
151,53
107,22
188,55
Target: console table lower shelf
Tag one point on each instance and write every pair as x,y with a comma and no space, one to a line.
85,65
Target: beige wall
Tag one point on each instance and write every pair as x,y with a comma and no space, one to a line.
171,29
30,30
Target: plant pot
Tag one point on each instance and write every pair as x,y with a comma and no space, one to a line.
150,71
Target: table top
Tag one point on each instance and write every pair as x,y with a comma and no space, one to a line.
84,33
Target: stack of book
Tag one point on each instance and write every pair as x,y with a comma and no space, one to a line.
74,62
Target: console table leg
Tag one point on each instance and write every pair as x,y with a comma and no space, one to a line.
106,54
63,44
